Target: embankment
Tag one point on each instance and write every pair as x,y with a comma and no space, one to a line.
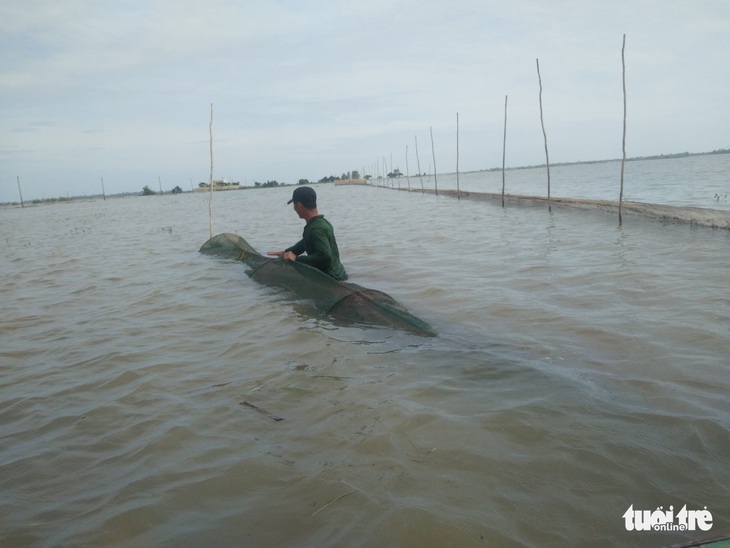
713,218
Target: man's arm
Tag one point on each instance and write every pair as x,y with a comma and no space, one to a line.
321,256
298,248
290,253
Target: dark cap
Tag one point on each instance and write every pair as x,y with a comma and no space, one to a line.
304,195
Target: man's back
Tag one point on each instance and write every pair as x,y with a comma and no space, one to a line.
318,240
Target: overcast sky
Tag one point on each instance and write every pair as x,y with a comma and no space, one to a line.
121,89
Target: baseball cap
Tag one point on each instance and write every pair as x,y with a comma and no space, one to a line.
304,195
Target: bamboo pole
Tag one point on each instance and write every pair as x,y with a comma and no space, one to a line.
433,153
397,179
458,193
103,192
22,205
623,144
542,122
159,180
210,193
504,146
418,162
408,175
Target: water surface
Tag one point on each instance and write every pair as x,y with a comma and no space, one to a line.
580,368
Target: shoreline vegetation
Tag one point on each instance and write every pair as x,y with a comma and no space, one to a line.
345,178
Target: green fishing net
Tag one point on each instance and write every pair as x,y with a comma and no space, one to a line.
343,301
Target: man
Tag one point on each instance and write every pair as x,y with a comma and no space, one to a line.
318,240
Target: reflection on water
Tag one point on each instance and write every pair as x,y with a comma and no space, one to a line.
580,368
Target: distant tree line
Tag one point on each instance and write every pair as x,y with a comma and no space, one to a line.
147,191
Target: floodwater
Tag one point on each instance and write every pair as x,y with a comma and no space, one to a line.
580,368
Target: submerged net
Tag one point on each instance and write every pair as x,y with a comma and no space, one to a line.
346,302
228,246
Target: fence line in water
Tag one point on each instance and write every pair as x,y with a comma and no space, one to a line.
623,145
210,195
544,135
433,152
504,145
457,156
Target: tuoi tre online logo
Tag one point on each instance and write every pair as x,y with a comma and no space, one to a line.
661,520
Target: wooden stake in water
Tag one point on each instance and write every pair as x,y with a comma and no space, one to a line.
433,153
504,146
22,205
159,181
103,193
458,194
397,179
210,194
623,145
542,122
408,175
418,162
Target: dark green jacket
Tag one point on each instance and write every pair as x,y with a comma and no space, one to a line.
319,243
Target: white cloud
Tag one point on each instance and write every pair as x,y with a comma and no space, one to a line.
301,90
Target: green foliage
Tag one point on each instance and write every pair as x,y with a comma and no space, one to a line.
177,190
303,181
147,191
267,184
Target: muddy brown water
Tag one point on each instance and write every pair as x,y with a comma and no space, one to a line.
579,368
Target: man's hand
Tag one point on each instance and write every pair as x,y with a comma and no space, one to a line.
286,255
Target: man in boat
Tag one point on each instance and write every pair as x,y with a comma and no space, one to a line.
318,240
